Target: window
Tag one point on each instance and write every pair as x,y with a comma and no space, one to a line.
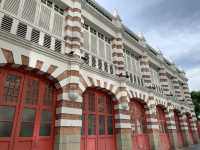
6,23
21,30
6,121
47,41
48,95
110,125
101,125
101,104
11,88
45,123
91,124
27,122
91,102
35,36
32,90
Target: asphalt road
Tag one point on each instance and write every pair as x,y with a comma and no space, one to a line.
193,147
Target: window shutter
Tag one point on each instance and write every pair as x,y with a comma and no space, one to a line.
94,44
45,15
101,48
12,6
47,41
58,24
29,10
86,40
35,36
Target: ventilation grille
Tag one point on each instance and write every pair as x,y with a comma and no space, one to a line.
58,24
12,6
21,30
6,23
86,40
29,10
58,45
35,35
47,41
45,15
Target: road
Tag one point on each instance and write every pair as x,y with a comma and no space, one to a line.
193,147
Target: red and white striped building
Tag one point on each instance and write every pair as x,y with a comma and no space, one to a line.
73,77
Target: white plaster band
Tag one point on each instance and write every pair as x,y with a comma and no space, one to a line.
68,110
68,123
123,125
65,96
153,126
122,116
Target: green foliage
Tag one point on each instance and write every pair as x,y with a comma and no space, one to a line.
196,101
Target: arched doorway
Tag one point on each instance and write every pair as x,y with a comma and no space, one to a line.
140,138
98,131
27,108
178,129
164,138
192,140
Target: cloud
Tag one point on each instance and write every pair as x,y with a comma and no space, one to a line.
171,25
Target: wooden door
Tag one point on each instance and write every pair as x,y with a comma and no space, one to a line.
26,112
140,137
192,140
164,138
98,121
178,129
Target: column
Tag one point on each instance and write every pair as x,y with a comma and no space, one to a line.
145,70
193,122
177,89
69,110
171,127
117,46
152,124
73,27
164,81
184,129
122,120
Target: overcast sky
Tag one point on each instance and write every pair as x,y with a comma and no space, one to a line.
170,25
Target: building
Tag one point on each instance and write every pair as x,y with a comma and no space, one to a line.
73,77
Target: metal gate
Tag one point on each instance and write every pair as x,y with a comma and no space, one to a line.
140,139
98,131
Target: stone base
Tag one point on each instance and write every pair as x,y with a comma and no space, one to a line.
186,138
67,139
154,140
173,140
124,139
196,137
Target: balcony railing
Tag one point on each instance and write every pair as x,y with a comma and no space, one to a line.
98,63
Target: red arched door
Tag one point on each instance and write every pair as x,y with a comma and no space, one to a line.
140,138
178,129
192,140
98,121
164,138
26,112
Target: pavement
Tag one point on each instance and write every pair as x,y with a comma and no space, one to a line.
192,147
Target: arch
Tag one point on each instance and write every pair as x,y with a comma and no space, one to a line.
52,69
88,81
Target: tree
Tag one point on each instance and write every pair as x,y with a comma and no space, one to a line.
196,101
